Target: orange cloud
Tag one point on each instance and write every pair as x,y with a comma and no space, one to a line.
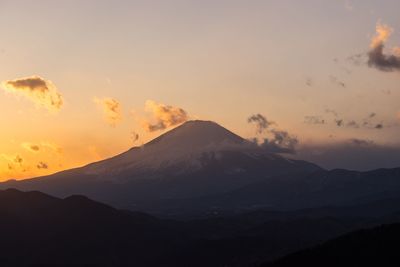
52,146
134,136
31,147
36,158
376,56
13,163
42,165
164,116
18,159
35,148
383,32
112,110
42,92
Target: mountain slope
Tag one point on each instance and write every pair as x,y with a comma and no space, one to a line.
37,229
369,247
319,188
200,168
196,159
183,144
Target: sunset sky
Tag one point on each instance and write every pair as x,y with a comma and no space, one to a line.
85,80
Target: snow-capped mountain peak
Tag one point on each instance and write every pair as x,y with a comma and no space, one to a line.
184,144
194,135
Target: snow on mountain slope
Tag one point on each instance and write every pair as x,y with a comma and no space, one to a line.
185,147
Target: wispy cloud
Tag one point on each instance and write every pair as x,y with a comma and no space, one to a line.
260,121
331,111
309,81
353,124
338,122
134,136
112,110
40,146
52,146
13,162
274,140
42,165
163,116
280,142
31,147
371,121
335,80
42,92
314,120
358,59
360,142
355,153
18,159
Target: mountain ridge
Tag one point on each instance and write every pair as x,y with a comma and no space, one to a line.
197,158
202,167
363,247
76,230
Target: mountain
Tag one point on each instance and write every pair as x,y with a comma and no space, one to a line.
194,160
367,247
203,169
39,230
310,190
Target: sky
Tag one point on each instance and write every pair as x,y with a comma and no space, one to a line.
85,80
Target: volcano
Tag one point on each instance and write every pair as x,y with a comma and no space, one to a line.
192,161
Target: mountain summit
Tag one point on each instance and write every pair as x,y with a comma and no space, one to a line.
196,134
183,149
183,145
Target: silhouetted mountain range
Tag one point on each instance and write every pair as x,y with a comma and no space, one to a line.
196,159
242,205
39,229
200,168
367,247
